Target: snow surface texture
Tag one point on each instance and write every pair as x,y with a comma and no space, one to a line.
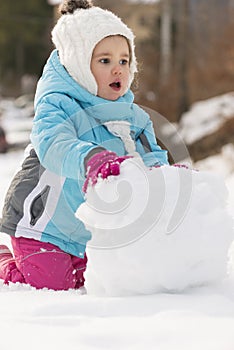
155,230
200,318
206,117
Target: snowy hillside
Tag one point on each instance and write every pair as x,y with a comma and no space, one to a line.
205,117
195,318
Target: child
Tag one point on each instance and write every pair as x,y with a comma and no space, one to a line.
85,125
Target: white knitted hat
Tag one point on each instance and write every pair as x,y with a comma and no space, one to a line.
76,34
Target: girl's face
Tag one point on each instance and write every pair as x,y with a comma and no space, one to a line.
110,67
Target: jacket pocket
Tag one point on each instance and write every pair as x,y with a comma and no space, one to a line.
38,205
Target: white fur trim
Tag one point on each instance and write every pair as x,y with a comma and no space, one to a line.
76,35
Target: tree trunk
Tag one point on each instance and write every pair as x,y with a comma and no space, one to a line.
165,42
182,45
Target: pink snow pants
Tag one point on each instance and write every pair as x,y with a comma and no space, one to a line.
42,265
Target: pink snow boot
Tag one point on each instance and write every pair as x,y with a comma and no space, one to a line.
8,269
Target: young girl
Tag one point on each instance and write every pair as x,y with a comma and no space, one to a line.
84,127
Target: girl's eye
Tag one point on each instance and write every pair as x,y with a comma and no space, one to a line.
123,62
104,60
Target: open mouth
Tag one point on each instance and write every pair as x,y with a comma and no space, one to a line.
116,85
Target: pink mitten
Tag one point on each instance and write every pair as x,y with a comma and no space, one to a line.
102,164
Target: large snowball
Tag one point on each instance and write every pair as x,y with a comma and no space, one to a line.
160,229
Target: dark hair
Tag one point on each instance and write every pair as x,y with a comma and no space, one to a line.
69,6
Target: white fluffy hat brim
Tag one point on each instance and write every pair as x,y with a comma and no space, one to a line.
76,35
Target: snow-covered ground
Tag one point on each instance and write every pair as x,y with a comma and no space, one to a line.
206,117
196,318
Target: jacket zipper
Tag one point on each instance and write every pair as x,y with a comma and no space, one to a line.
40,200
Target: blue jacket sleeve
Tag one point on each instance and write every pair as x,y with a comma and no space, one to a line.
156,155
54,137
151,153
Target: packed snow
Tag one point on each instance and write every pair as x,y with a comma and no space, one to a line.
154,230
191,308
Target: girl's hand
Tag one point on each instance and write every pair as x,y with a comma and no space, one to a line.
102,164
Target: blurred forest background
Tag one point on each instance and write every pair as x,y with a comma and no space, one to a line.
185,48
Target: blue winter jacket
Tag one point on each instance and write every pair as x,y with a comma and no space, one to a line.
69,126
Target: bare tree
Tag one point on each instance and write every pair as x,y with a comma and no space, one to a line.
181,52
165,42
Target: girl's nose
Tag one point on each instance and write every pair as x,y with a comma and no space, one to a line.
117,69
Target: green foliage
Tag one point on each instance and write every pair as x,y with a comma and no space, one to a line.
24,37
